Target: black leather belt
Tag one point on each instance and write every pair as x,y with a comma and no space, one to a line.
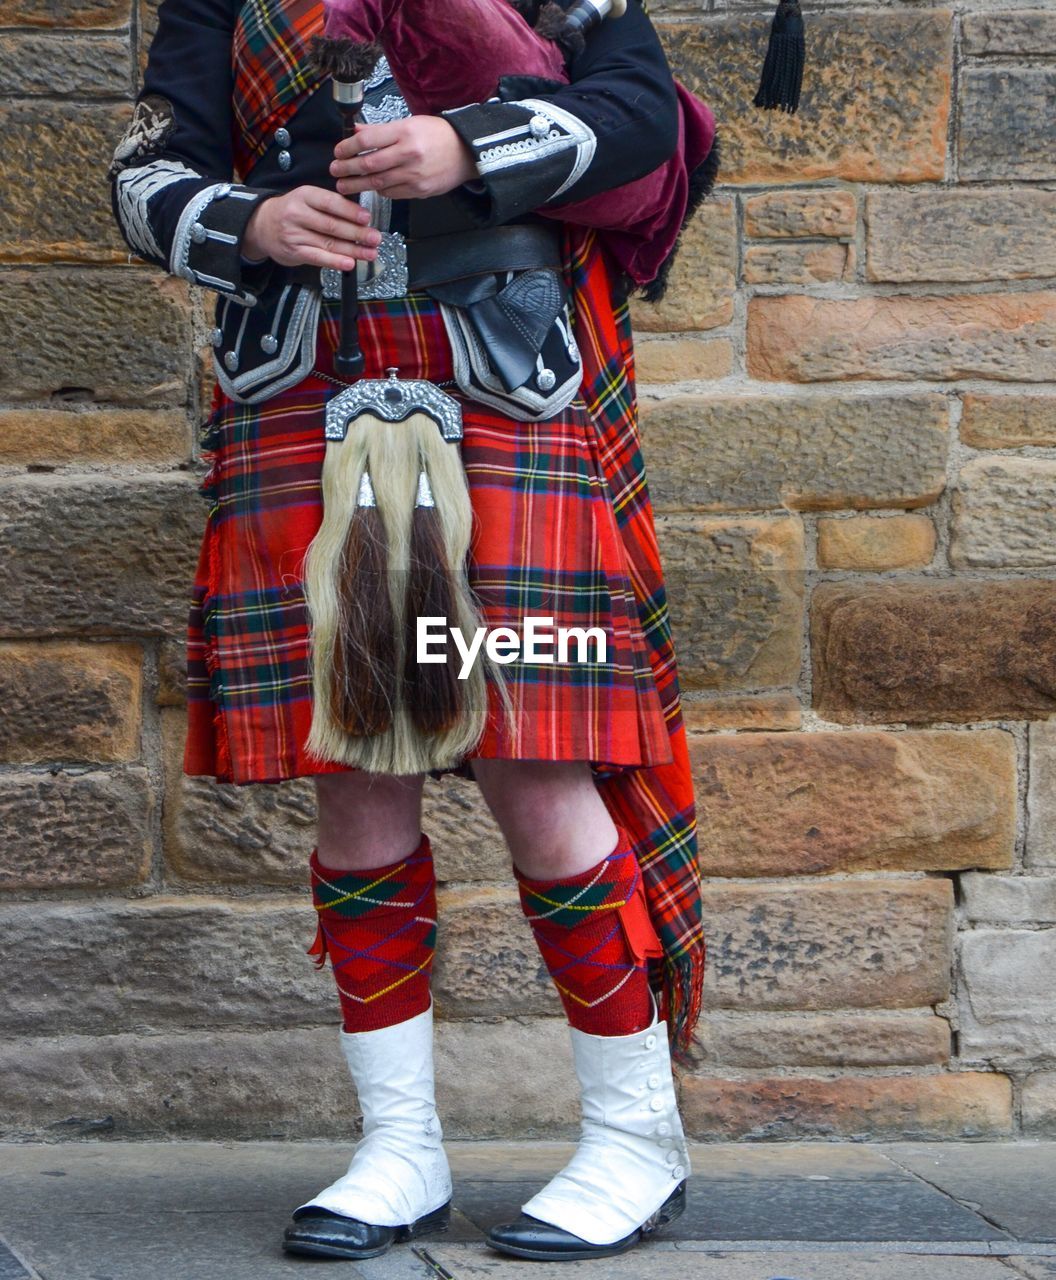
441,259
459,255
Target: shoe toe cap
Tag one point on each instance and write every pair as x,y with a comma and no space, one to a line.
536,1238
320,1229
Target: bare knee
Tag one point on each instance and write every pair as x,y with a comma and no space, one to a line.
367,819
551,814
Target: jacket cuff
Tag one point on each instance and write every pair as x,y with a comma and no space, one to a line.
207,246
527,152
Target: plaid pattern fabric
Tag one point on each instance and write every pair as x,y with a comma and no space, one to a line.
564,529
585,928
379,929
271,70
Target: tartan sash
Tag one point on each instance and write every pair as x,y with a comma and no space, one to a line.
271,70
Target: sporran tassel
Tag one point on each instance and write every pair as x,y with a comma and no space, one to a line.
347,579
433,690
364,625
782,75
363,682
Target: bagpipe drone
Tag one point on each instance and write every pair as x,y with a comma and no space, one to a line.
397,518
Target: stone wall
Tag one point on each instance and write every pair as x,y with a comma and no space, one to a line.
849,411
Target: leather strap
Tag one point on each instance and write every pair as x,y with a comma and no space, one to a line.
441,259
459,255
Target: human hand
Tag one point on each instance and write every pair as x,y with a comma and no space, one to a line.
311,225
405,159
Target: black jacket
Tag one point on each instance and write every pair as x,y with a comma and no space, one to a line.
181,205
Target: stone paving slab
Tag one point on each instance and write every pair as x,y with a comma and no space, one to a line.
1034,1268
199,1211
652,1262
520,1161
1012,1185
10,1267
878,1209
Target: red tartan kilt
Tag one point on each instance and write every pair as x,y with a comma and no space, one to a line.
564,530
546,544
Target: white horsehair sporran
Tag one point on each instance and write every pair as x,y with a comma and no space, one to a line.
392,547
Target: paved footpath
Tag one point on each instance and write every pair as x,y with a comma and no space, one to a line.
789,1211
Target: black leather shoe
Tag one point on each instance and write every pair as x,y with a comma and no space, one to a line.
318,1233
530,1238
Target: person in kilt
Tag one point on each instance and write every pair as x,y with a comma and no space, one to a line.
234,175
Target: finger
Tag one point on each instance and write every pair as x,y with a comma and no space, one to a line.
326,226
372,162
335,245
400,183
316,256
329,202
369,136
413,189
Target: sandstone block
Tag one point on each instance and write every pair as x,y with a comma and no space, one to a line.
121,335
467,843
111,966
219,833
964,1104
759,711
61,437
1041,796
487,963
1009,899
960,235
69,702
736,595
760,1041
818,453
682,360
1029,31
474,1061
873,544
703,278
1039,1105
999,135
895,69
798,263
95,556
172,673
1006,337
69,142
148,25
1004,514
1008,1002
85,66
847,944
73,831
827,211
934,650
776,804
64,13
1007,422
250,1084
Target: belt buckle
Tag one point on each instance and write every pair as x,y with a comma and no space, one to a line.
388,277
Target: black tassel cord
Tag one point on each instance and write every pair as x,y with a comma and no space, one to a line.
782,75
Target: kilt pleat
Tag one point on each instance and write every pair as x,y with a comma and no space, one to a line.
563,529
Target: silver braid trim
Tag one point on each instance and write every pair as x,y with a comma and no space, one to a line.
179,258
580,134
135,190
551,131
